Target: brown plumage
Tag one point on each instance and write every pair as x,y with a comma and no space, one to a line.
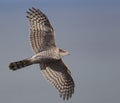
47,54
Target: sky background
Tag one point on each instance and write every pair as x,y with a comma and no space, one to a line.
88,29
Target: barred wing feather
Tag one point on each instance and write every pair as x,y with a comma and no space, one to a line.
59,75
41,31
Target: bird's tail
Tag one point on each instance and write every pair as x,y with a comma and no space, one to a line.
20,64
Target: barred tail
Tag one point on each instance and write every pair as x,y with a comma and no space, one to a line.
20,64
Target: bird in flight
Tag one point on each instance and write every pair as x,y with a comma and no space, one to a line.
47,54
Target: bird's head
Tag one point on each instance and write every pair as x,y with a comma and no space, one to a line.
63,52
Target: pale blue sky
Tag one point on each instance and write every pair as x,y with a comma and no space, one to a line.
88,29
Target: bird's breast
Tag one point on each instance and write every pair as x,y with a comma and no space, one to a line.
46,55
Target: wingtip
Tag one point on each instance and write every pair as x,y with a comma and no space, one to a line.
65,97
30,11
33,8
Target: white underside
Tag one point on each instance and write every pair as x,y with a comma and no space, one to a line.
48,54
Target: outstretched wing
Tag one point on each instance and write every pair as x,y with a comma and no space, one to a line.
59,75
41,31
